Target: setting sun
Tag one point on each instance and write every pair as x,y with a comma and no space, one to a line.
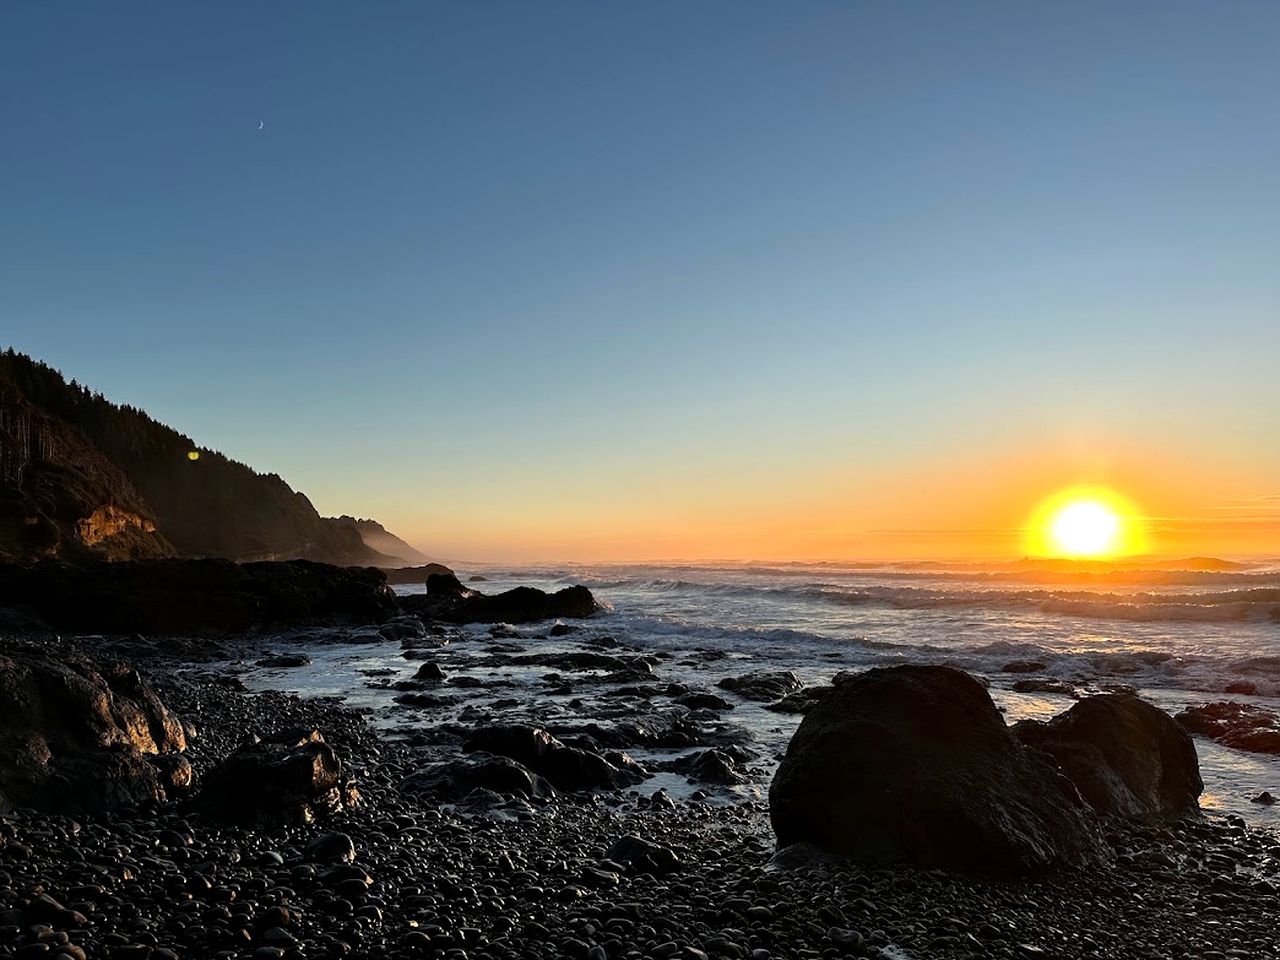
1085,528
1084,522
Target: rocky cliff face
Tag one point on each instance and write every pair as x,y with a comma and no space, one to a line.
81,476
60,497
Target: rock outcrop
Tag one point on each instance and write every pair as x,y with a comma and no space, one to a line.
564,767
1242,726
763,686
81,736
914,764
1127,757
291,777
417,574
174,596
521,605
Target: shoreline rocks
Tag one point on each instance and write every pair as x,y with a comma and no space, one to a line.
460,605
494,876
193,596
1243,726
290,777
76,734
1126,757
914,764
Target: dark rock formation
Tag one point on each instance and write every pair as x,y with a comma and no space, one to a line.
293,777
915,765
418,574
174,596
702,700
446,585
802,701
1243,726
1126,757
642,856
521,605
330,848
762,686
429,672
709,766
77,736
1045,685
565,767
454,780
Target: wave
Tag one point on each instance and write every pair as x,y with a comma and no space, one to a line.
1252,604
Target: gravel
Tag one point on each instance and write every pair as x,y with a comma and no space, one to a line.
402,876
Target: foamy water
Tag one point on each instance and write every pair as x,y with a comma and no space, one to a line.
1178,637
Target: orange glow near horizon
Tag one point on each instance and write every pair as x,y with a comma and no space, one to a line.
1085,523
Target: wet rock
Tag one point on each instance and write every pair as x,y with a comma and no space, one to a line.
915,765
1265,798
700,700
565,767
285,660
762,686
455,779
1127,757
429,672
76,734
708,766
802,701
1045,685
1243,726
294,776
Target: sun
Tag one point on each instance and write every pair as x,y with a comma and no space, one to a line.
1085,528
1086,523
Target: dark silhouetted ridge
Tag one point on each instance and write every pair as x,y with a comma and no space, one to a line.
80,475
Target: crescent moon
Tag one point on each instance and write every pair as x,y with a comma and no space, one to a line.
261,124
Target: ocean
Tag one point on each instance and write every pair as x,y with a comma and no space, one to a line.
1178,637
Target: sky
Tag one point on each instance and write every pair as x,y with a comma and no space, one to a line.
667,280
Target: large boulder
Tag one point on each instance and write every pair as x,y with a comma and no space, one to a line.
563,766
1126,757
445,585
290,777
77,735
914,764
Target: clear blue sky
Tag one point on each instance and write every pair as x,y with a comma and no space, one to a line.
490,264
